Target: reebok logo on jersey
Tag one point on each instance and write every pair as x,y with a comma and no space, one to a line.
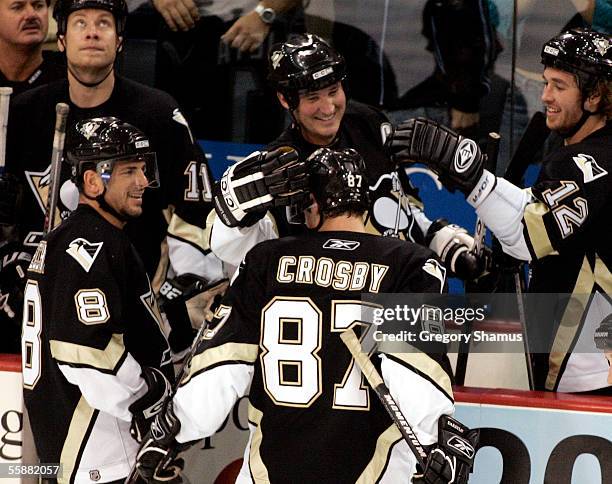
341,244
465,155
434,268
84,252
589,167
461,445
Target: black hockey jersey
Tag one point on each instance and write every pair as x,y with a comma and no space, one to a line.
53,67
91,323
365,129
567,231
311,415
176,207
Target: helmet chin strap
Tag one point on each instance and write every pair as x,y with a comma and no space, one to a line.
91,84
106,207
568,133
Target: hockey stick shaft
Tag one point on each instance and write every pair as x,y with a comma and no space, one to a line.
132,477
61,116
5,97
368,369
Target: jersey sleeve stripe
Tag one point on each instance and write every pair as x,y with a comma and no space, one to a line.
108,360
76,439
536,229
190,234
259,472
382,453
225,354
426,367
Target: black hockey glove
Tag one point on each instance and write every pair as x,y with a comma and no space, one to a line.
11,193
180,289
262,180
150,404
603,335
156,460
455,247
452,458
457,160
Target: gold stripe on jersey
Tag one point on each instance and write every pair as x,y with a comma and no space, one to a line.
603,276
75,440
226,353
538,236
180,229
107,359
382,454
258,469
428,367
570,323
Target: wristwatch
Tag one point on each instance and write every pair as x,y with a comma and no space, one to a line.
266,14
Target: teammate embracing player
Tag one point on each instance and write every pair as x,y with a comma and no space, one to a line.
277,337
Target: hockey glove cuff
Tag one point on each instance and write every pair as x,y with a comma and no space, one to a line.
260,181
150,404
457,160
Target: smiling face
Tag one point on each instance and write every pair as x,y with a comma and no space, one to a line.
319,113
91,40
562,99
126,187
23,22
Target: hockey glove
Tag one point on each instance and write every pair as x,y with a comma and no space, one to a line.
455,247
457,160
452,458
180,289
150,404
262,180
156,460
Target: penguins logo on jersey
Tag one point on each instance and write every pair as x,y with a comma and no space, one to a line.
465,155
435,269
84,252
39,182
589,167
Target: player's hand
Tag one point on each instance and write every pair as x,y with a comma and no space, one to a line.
150,404
156,460
178,14
247,33
457,160
452,458
264,179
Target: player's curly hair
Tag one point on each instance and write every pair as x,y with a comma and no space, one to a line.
350,209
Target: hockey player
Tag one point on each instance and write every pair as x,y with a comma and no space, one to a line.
307,74
559,224
278,332
96,362
170,235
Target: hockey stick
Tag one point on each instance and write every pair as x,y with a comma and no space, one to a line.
349,338
132,477
5,96
61,115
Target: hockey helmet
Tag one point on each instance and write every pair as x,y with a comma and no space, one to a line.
338,180
98,143
63,9
304,63
584,53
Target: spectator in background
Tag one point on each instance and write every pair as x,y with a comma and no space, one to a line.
462,39
23,28
202,46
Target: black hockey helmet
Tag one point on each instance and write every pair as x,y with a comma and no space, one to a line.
98,143
338,180
304,63
63,9
584,53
